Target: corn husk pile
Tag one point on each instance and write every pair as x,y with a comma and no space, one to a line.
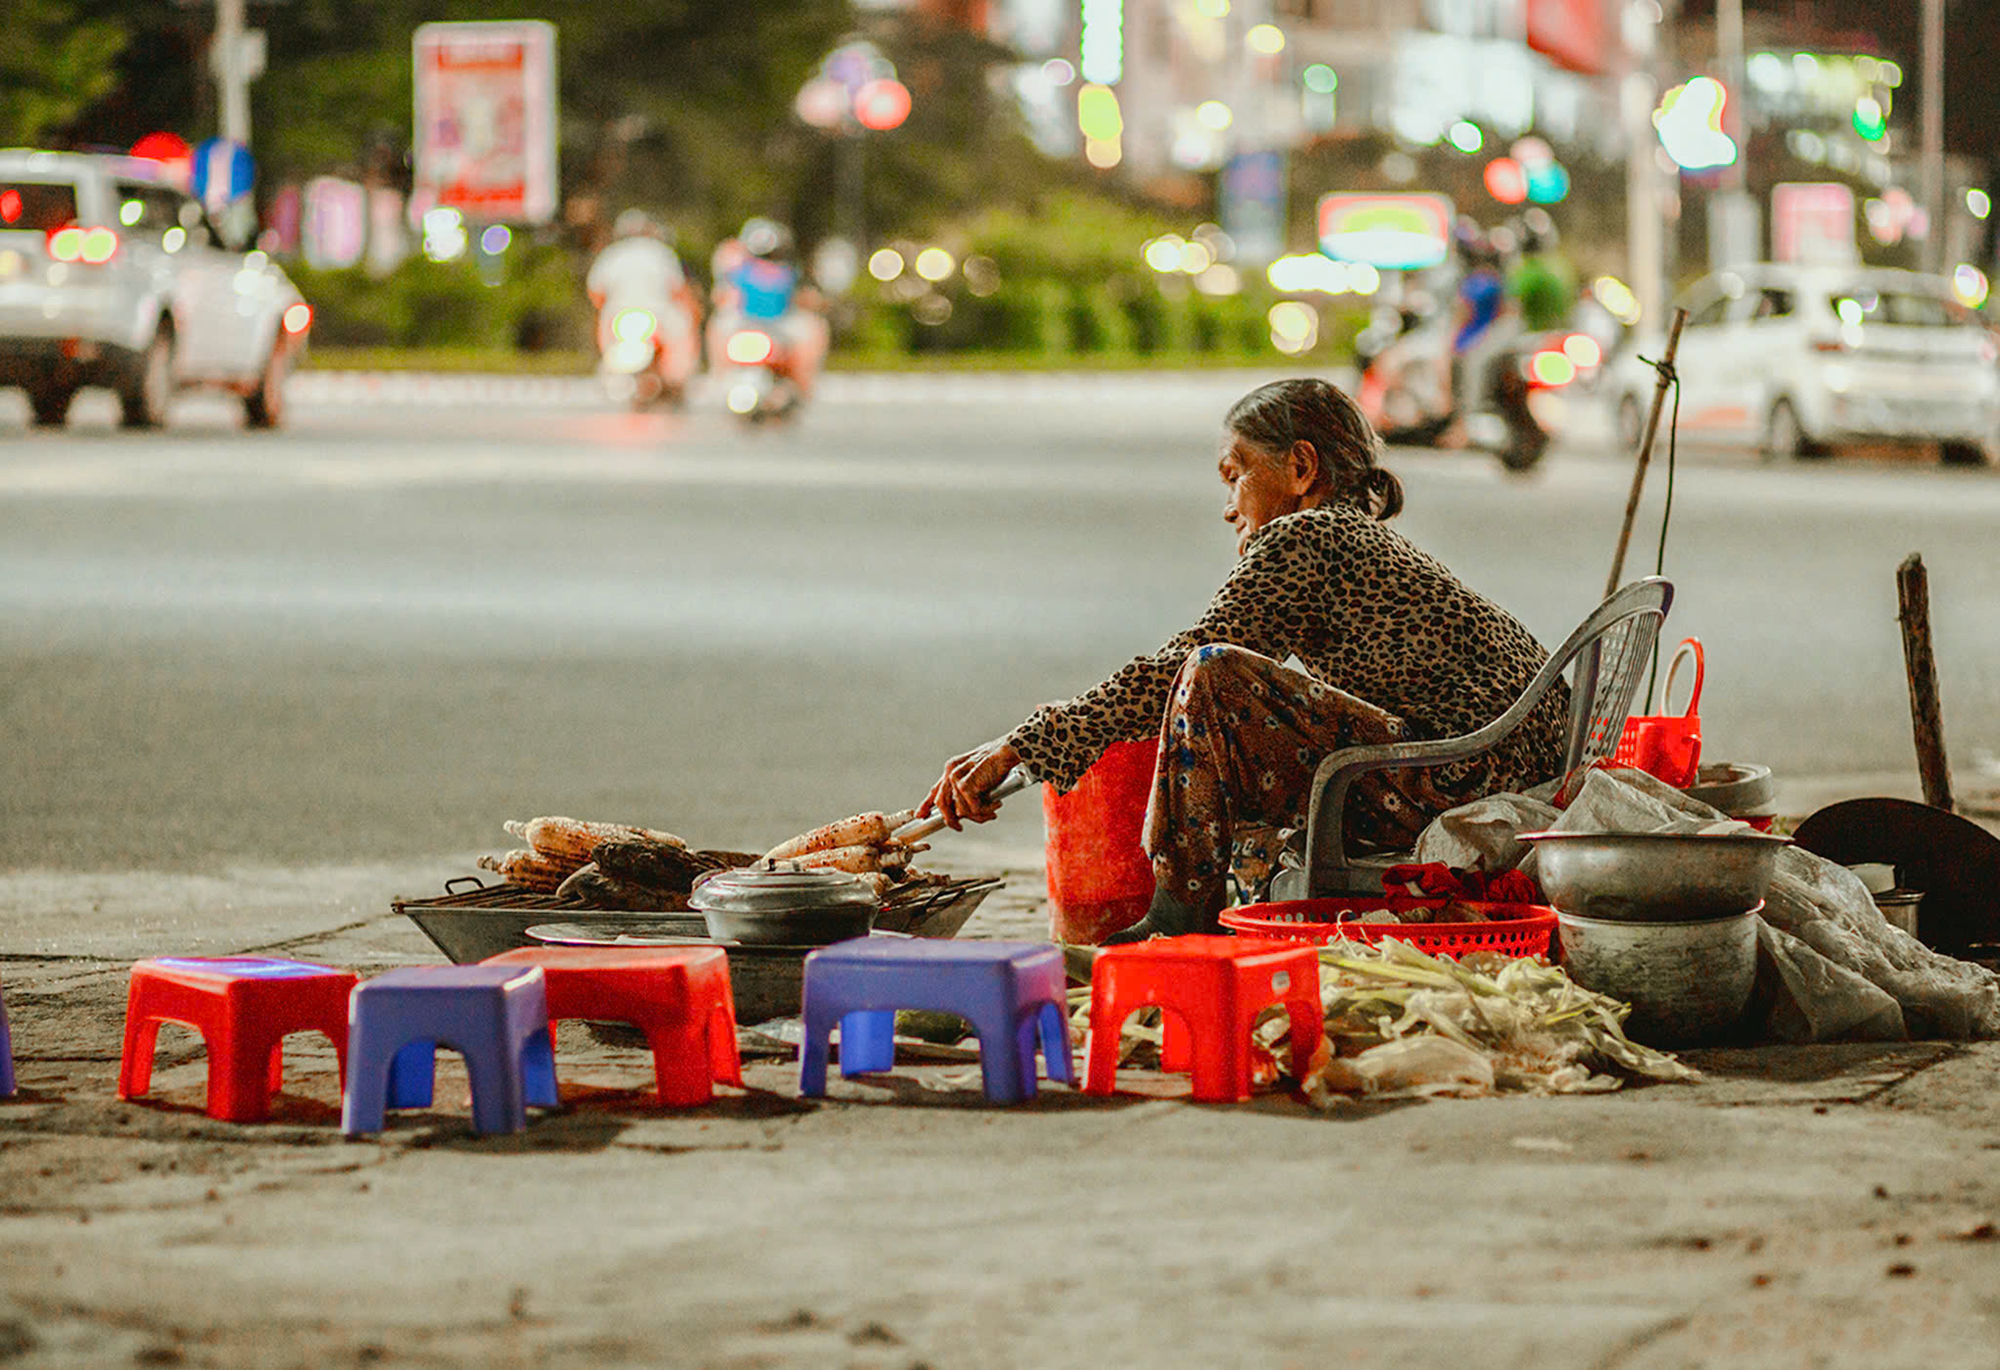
1402,1024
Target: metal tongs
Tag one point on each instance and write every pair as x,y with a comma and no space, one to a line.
917,829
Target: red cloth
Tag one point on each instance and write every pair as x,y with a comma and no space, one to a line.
1435,880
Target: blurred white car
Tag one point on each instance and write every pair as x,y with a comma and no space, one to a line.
1802,359
110,275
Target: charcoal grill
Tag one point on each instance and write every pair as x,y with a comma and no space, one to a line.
473,921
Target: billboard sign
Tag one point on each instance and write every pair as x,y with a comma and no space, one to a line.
486,118
1388,232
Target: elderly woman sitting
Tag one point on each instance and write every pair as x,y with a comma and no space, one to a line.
1394,648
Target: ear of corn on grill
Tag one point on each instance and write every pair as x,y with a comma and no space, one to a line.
527,869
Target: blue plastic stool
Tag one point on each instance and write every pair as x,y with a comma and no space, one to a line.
496,1016
1007,991
6,1054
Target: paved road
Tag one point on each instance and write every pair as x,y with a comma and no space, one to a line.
425,609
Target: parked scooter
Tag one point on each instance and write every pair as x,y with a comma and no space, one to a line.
646,356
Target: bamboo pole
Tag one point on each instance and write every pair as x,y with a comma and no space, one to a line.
1646,450
1913,590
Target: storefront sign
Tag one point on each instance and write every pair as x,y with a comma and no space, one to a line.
1575,34
1388,232
1813,223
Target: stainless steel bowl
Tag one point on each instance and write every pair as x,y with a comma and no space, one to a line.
1654,877
785,908
1687,983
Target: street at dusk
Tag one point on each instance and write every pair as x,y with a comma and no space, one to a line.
999,684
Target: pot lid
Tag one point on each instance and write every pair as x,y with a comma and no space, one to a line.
762,891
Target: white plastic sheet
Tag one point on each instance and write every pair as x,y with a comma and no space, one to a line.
1831,967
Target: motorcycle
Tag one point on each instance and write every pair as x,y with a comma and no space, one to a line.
1522,390
646,356
1403,389
758,378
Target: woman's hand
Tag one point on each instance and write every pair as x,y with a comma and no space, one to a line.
959,795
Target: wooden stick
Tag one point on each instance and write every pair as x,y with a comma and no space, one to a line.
1913,590
1646,451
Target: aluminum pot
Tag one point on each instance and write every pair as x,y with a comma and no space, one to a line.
1687,983
785,908
1739,789
1655,877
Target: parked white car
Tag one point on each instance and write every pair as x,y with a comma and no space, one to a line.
110,275
1800,360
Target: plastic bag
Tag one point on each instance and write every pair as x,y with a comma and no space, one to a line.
1839,966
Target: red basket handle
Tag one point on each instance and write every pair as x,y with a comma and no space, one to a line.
1689,646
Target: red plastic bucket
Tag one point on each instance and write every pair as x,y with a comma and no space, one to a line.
1100,880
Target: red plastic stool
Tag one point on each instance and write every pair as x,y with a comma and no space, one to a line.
1215,987
678,996
243,1007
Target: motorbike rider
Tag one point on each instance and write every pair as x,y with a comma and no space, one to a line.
1482,323
639,269
760,285
1540,282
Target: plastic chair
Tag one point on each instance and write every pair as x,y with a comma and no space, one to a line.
678,996
1010,992
243,1007
1212,989
1610,650
496,1016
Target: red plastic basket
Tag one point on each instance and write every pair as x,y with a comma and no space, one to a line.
1516,929
1668,745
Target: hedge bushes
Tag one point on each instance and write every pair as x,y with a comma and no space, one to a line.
1065,284
535,303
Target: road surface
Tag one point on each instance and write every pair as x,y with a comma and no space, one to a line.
427,607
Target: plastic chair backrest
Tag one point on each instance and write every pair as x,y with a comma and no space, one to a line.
1609,648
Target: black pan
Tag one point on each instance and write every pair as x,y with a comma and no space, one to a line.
1954,861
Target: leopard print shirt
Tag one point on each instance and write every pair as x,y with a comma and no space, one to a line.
1365,610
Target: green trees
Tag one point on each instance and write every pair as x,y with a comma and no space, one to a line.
53,65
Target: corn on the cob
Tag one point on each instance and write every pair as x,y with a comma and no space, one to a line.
523,867
857,860
591,887
863,829
572,840
647,862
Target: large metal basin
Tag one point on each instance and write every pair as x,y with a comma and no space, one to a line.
1654,877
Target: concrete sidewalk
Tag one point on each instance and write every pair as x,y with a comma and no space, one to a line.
1825,1206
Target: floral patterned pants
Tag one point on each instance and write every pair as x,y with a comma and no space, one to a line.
1242,737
